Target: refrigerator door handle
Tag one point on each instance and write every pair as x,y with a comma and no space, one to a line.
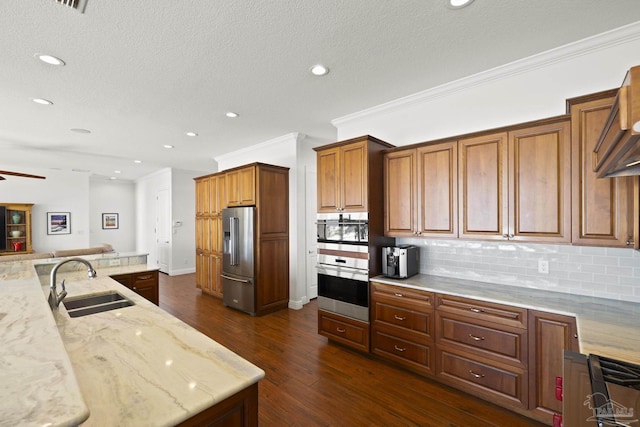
234,279
233,241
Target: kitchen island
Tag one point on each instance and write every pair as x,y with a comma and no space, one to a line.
136,365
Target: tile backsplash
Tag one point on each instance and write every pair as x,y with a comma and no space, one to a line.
601,272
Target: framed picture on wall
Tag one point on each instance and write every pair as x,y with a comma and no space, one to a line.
109,221
58,223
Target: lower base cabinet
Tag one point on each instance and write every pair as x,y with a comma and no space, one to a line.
239,410
344,330
144,284
507,355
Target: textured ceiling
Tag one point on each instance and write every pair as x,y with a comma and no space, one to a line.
141,73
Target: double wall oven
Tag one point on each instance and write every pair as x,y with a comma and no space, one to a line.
343,264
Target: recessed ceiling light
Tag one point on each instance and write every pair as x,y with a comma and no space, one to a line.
49,59
232,115
191,134
42,101
319,70
116,171
167,146
113,178
79,130
137,161
458,4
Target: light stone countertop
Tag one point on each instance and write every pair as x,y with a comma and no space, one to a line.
132,366
606,327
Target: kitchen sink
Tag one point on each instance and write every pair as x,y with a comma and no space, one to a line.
95,303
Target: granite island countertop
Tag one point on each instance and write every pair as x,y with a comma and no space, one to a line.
132,366
606,327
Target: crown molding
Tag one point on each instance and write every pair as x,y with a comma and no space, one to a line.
563,53
294,136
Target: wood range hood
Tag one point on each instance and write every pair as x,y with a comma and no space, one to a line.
617,152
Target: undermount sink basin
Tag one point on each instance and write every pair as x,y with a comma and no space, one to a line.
95,303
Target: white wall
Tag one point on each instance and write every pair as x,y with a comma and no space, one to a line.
59,192
183,209
290,151
529,89
181,188
106,196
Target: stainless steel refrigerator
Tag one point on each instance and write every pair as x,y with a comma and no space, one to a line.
238,275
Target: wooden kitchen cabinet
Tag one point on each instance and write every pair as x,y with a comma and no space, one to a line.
604,209
143,283
344,176
241,186
481,347
402,326
421,191
344,330
267,188
17,229
210,200
516,185
549,334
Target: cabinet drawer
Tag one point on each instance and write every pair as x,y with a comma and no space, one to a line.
488,311
403,318
505,344
344,330
496,382
402,297
416,356
139,277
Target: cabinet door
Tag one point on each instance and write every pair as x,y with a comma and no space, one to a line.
216,194
202,196
146,285
550,335
328,178
438,190
603,208
215,271
482,184
354,173
201,271
240,187
540,183
400,193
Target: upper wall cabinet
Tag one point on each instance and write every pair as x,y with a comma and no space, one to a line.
516,185
421,191
344,175
240,186
603,208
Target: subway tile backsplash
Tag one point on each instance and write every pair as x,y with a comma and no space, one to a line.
601,272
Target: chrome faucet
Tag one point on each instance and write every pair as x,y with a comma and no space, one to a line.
54,298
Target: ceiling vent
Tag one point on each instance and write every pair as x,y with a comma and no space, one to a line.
78,5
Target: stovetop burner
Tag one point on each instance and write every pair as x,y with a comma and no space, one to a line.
621,373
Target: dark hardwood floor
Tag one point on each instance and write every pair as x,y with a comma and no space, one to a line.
310,382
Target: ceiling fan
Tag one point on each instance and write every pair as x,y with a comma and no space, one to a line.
23,175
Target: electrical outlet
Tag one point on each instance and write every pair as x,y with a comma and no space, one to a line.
114,262
543,266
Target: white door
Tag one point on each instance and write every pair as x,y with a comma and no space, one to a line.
311,233
163,230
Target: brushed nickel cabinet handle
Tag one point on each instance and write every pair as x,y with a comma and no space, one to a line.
398,317
342,331
473,374
476,338
399,295
399,348
629,242
476,310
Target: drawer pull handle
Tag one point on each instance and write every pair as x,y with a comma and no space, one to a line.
476,338
399,295
473,374
342,331
477,310
399,317
145,277
399,348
